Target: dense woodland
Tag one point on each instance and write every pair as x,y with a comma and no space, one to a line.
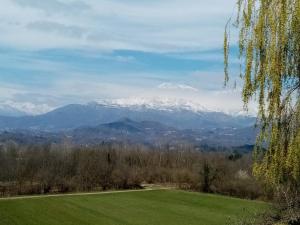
42,169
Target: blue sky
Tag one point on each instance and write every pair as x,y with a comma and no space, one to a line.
57,52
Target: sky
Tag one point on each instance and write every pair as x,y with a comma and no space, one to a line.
58,52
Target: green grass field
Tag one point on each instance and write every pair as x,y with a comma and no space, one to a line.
159,207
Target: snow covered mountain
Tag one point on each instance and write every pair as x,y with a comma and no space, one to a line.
170,104
10,108
76,115
17,109
146,122
6,110
155,103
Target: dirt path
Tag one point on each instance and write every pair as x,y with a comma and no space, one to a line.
83,194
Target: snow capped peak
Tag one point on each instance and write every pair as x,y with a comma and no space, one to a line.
168,104
11,108
155,103
6,110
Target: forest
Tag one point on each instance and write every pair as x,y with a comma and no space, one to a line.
44,169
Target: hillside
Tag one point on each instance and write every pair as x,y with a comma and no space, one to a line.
149,133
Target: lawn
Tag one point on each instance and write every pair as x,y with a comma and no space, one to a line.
158,207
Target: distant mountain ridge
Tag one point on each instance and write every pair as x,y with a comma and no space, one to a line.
149,133
154,133
73,116
169,104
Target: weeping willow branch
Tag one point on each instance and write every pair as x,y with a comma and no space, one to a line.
269,43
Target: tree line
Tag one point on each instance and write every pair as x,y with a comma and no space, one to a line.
42,169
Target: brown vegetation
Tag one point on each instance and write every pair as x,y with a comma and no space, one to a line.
57,169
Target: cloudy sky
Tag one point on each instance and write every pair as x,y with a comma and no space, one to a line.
56,52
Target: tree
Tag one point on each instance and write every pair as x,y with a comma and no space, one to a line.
269,50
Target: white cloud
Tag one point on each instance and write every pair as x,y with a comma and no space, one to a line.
161,26
171,86
58,28
158,26
7,91
54,6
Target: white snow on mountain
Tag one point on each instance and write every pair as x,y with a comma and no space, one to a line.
155,103
11,108
170,104
6,110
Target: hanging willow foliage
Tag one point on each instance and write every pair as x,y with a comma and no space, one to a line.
269,44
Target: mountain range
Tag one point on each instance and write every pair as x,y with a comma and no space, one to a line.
155,133
76,115
95,123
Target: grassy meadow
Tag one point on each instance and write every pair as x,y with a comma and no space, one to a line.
157,207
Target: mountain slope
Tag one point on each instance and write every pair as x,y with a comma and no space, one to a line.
148,133
125,130
74,116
